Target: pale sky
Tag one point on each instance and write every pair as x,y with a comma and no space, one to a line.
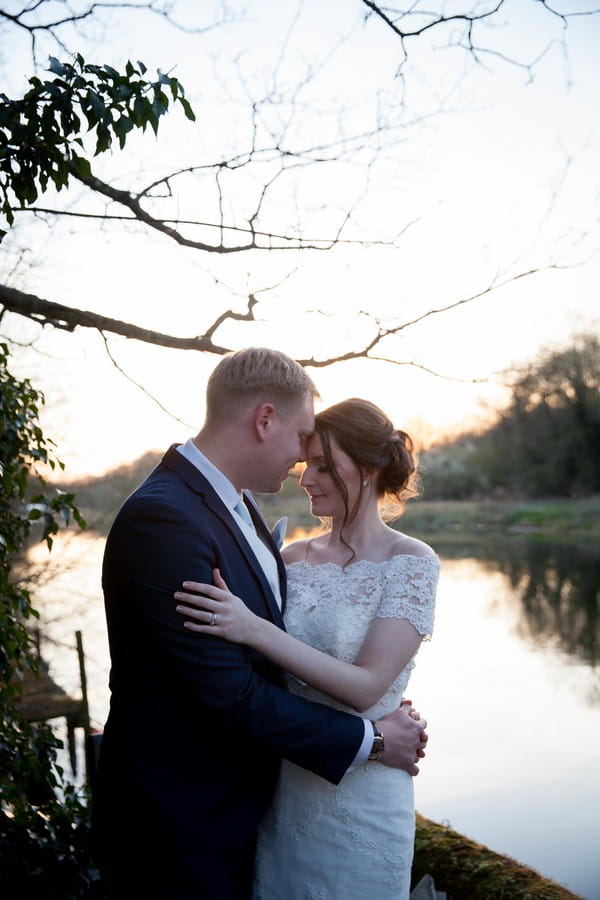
502,181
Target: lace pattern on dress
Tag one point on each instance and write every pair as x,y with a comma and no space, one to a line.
331,608
320,842
410,584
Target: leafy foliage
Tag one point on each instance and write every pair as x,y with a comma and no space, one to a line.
44,824
41,133
44,841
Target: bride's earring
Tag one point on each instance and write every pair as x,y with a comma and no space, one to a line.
365,483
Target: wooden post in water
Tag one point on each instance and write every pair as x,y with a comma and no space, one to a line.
43,699
85,710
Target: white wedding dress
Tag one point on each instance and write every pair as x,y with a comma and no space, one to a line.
321,842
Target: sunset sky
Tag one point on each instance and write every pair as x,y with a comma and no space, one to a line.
484,173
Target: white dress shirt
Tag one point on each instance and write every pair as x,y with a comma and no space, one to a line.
230,497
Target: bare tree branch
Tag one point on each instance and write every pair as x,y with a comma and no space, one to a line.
47,312
388,331
278,148
435,20
313,243
140,386
415,365
414,22
29,18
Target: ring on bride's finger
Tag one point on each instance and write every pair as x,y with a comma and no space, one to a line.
213,621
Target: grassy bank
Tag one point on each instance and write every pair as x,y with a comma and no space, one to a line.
467,870
99,498
552,518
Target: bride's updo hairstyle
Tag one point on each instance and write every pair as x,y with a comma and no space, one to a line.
367,436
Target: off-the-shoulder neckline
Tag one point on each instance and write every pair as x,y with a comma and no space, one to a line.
428,556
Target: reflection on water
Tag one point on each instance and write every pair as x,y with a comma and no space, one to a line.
557,586
510,671
514,726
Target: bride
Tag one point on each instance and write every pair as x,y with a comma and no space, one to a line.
360,601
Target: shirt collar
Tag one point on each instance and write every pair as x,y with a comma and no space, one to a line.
219,482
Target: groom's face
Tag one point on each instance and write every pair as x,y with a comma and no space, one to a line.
286,444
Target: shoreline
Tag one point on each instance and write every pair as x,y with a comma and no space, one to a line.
467,870
552,518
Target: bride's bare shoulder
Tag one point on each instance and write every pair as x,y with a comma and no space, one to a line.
295,552
404,545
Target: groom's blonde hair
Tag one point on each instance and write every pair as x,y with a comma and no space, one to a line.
256,374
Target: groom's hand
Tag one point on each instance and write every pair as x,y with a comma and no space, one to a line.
404,737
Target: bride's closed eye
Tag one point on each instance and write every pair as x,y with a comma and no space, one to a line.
323,469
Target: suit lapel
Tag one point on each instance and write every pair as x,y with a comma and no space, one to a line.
201,486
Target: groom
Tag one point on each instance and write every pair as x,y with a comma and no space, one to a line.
197,726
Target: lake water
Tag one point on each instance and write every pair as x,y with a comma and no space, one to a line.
509,684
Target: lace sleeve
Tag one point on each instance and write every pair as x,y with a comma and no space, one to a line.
409,590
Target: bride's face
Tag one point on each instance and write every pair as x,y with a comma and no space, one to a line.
325,496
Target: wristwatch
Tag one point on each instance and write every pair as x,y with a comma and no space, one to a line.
378,743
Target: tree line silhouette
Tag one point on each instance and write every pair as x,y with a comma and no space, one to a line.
545,443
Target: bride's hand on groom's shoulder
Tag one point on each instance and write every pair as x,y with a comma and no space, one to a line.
213,610
405,738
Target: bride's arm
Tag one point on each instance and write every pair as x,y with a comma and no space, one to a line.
388,646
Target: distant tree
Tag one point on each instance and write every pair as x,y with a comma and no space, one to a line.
448,471
550,434
547,440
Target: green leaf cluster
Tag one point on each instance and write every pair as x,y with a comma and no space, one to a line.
44,840
42,134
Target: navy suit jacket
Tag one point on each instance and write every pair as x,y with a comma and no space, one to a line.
197,726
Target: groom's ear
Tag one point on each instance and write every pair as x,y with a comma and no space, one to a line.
263,420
